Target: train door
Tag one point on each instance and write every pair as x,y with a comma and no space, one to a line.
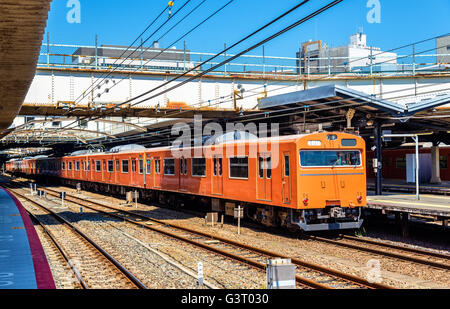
148,172
286,178
117,172
133,174
264,178
157,174
217,176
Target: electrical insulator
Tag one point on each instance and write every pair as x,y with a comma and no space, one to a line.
170,8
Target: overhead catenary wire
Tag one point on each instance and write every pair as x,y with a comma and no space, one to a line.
284,30
146,49
187,33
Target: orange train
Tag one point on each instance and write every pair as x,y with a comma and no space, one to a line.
312,181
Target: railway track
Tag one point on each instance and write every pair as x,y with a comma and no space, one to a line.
309,275
93,267
424,257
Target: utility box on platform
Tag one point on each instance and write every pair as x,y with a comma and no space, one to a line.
280,274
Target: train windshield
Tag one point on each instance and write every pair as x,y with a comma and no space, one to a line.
330,158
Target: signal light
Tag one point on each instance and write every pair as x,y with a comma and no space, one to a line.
359,198
305,201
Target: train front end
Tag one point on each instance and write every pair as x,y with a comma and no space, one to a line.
331,182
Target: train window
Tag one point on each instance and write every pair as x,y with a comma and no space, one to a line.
351,142
117,165
169,167
133,165
331,137
77,165
219,160
286,166
104,165
70,166
199,167
141,166
239,167
149,167
63,165
215,166
261,167
98,166
269,167
181,166
157,166
125,166
110,166
88,164
330,158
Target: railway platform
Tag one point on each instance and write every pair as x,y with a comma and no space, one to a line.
405,205
23,264
398,185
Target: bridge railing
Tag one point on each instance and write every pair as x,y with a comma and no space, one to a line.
415,59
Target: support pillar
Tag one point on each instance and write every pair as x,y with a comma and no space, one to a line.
435,169
379,157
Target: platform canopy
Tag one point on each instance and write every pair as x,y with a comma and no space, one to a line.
339,108
22,28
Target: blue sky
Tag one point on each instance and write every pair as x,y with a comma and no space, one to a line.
119,22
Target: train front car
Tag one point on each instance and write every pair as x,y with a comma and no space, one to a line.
331,182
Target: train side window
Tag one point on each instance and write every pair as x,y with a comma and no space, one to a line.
157,166
169,167
261,167
110,166
238,168
215,166
220,166
199,167
141,166
98,166
104,165
117,165
63,165
125,166
286,166
149,167
77,165
269,167
185,166
70,166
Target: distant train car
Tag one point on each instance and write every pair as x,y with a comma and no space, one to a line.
312,181
394,162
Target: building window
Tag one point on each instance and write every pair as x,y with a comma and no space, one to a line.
400,162
125,166
239,168
199,167
110,166
169,167
443,162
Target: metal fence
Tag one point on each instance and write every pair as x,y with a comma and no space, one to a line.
414,59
